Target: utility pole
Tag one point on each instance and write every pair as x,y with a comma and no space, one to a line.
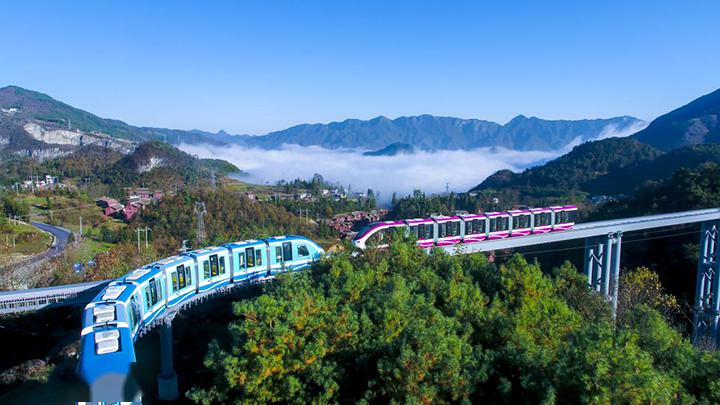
200,211
146,237
81,230
138,239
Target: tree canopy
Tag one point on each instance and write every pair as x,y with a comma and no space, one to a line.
402,326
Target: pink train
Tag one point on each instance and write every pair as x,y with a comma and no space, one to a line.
471,228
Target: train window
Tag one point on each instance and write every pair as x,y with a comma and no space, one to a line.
133,313
181,278
241,259
303,250
414,231
521,221
470,226
442,230
221,262
188,275
250,254
376,238
206,269
278,254
151,294
214,265
424,231
453,228
542,219
499,224
258,257
480,227
287,251
561,217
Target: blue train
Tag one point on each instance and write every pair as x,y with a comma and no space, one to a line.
112,320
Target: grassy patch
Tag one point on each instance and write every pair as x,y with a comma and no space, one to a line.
28,240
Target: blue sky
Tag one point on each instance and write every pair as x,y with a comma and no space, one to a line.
258,66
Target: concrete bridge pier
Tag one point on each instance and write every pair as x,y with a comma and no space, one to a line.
167,380
707,289
602,265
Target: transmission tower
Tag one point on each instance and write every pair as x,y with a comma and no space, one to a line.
200,211
213,179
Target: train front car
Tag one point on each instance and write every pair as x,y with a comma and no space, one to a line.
376,234
106,343
564,217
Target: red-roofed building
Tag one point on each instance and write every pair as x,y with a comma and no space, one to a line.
129,211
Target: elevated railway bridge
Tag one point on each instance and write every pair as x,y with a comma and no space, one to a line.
603,244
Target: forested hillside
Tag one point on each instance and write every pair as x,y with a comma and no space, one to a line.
573,171
153,164
692,124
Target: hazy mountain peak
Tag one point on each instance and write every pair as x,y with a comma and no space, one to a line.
692,124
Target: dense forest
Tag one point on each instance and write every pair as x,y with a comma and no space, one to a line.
402,326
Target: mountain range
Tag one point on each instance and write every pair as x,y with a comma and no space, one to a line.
34,123
428,132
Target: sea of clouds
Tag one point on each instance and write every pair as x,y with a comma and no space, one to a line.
427,171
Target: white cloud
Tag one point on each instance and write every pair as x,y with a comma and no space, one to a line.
612,130
428,171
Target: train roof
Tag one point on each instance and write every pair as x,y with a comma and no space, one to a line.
243,243
140,275
415,221
563,207
444,218
205,251
169,261
285,238
496,214
472,216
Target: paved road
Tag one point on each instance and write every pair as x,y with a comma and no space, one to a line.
61,238
23,272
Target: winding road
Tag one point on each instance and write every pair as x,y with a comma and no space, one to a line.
61,235
20,272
